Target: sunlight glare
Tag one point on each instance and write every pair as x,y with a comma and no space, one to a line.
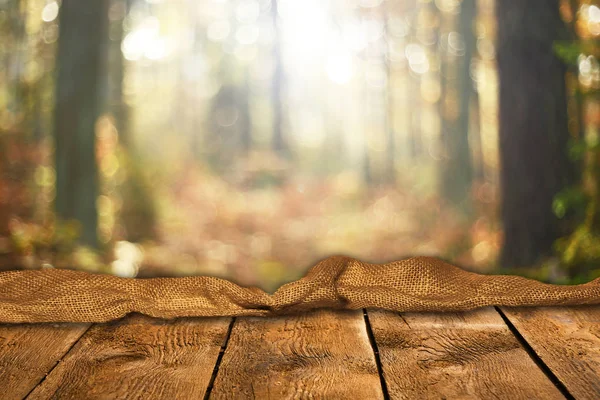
146,41
354,37
218,31
417,58
594,14
247,34
50,12
248,11
340,68
304,29
370,3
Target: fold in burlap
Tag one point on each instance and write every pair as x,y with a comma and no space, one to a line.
415,284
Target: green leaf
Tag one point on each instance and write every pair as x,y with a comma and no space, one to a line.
569,52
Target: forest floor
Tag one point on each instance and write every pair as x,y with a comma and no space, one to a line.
268,235
265,229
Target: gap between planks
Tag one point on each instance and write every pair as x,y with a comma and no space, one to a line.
567,339
219,359
373,342
323,353
29,351
470,354
59,360
155,358
535,357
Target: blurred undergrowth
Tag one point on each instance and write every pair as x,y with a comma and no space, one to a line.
579,252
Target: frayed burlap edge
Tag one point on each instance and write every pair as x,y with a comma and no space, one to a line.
414,284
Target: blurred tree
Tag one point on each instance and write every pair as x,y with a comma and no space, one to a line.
457,86
475,137
119,9
16,18
138,208
280,145
415,143
366,170
245,116
533,127
188,90
229,136
230,125
21,87
575,97
389,115
83,28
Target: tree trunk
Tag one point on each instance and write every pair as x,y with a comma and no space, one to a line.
457,171
83,27
243,100
415,101
533,127
476,139
117,105
279,144
390,112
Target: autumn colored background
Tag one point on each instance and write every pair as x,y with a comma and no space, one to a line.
248,139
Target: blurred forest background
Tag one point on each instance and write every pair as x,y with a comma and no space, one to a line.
248,139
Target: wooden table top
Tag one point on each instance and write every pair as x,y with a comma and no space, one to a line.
508,353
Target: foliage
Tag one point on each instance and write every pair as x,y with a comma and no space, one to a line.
580,251
571,51
52,245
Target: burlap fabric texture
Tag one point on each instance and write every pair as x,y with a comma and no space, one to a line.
415,284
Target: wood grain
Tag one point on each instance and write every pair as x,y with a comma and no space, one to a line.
322,354
568,342
139,358
29,351
455,355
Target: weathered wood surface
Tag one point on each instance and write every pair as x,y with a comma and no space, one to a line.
455,355
29,351
324,354
567,340
139,358
543,353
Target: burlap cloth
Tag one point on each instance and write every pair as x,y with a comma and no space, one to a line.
415,284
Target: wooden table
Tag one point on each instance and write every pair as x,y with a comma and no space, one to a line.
543,353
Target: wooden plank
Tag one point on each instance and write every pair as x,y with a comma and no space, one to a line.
322,354
139,357
455,355
29,351
568,342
